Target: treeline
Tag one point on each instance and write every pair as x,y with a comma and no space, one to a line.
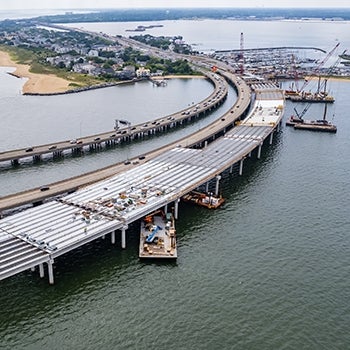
127,15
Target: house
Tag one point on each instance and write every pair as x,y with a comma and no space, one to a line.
143,72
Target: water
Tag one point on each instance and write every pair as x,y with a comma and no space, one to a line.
270,270
208,35
67,117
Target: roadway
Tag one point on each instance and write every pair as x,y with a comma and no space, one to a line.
41,234
127,133
214,129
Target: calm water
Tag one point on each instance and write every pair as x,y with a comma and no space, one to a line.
270,270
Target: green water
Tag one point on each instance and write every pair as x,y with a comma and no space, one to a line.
269,270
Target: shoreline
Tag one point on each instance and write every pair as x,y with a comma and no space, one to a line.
48,84
36,83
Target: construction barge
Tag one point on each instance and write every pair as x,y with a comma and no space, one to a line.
314,125
317,125
158,236
310,97
207,200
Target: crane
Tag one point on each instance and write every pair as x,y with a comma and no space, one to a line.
319,66
241,47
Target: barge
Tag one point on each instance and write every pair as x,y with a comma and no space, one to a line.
317,125
207,200
158,236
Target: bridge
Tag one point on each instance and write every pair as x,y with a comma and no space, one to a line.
197,139
127,133
39,235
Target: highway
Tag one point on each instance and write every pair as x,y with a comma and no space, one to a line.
126,133
210,132
43,233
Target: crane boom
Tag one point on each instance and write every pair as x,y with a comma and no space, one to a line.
319,66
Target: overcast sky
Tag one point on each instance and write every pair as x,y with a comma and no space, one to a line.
74,4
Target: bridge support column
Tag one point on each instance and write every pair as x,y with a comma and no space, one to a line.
50,269
271,137
250,154
241,167
41,271
207,186
113,237
231,168
205,144
259,151
124,228
32,269
218,178
176,209
166,208
278,126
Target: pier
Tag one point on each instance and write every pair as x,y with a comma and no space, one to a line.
34,238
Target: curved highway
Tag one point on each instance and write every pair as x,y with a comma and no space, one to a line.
208,133
130,132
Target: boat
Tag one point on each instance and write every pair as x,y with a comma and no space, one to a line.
158,236
311,97
316,125
207,200
318,96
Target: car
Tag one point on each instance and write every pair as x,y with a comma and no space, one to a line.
80,141
44,188
30,149
113,135
97,138
142,157
127,162
73,141
53,147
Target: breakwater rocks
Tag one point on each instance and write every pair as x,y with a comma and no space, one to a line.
14,75
80,89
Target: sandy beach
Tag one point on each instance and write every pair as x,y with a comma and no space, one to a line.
36,83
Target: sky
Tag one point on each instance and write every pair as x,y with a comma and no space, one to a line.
75,4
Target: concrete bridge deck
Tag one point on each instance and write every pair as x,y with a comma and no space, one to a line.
208,133
39,235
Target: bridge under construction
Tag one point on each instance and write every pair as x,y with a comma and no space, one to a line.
39,235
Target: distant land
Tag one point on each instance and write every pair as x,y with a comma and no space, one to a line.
126,15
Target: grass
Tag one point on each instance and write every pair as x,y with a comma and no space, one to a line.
35,59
